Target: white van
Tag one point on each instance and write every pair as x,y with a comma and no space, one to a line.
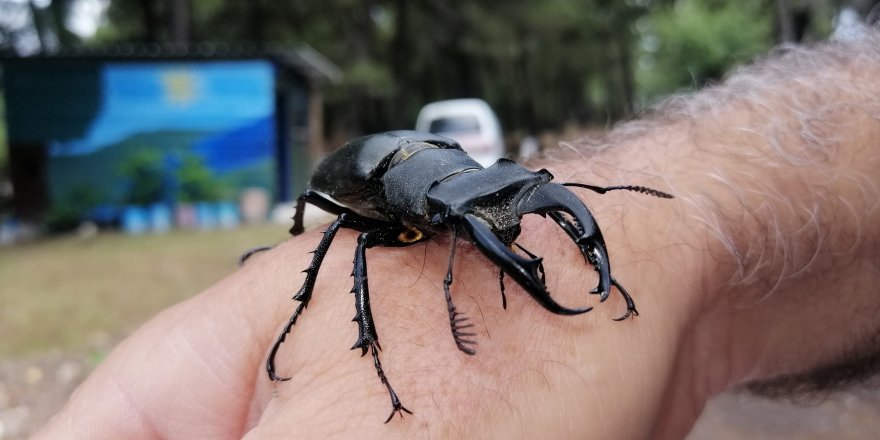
471,122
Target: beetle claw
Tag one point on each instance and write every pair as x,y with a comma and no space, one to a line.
275,378
524,270
630,304
553,199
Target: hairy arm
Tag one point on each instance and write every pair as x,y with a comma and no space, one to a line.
764,265
778,169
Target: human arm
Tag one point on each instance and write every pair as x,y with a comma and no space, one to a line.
764,264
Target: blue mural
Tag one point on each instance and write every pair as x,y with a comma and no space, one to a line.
172,132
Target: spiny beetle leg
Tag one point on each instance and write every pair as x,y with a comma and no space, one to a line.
503,296
270,362
298,223
457,321
368,339
313,198
304,295
305,292
396,406
250,253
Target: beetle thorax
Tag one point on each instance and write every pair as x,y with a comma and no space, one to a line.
407,181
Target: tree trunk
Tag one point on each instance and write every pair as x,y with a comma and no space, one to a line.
627,80
180,21
40,27
60,9
151,21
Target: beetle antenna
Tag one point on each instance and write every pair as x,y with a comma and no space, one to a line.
634,188
457,321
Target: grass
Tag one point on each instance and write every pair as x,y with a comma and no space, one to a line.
65,292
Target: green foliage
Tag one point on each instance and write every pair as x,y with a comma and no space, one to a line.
692,42
92,168
4,141
145,176
195,182
371,77
534,61
5,194
70,209
540,63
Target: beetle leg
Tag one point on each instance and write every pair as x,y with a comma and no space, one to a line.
314,198
305,292
308,196
457,321
550,198
524,271
396,406
250,252
368,339
501,282
304,295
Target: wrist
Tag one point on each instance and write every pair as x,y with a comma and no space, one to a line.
525,355
668,261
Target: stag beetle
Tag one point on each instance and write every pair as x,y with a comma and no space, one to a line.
400,188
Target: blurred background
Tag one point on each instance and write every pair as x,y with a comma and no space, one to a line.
144,144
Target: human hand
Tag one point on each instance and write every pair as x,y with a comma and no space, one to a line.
774,230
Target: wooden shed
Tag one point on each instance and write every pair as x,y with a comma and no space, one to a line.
127,124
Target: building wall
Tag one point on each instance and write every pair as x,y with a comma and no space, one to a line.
111,133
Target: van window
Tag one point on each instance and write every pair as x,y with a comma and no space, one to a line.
455,124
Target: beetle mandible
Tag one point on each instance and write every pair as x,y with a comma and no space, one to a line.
402,187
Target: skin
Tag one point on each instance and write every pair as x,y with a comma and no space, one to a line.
764,266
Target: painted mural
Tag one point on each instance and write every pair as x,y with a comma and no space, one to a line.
170,133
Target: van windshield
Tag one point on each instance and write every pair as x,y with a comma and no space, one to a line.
455,124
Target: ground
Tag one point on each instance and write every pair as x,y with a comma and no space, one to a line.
67,301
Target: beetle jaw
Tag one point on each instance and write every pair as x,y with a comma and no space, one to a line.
525,271
570,213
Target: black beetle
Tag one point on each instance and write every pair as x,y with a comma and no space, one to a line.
402,187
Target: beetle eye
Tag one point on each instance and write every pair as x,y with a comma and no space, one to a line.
410,236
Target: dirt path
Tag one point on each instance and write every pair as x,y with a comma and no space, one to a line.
32,390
